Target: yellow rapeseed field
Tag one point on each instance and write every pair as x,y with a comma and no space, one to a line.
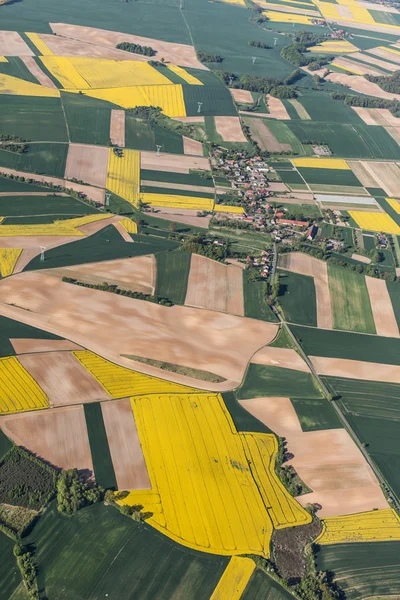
123,175
284,510
40,44
175,201
334,46
19,87
389,49
328,10
184,75
348,68
3,59
395,204
372,526
18,390
60,227
121,382
227,208
374,221
321,163
234,579
288,17
239,2
8,260
129,225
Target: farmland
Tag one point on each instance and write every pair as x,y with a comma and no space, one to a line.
172,275
262,380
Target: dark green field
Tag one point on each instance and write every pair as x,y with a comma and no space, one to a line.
88,119
262,587
297,298
15,67
159,190
367,570
5,444
315,414
33,119
101,456
329,176
10,329
43,205
11,185
172,275
243,420
262,380
10,576
46,159
254,293
140,135
394,293
290,177
170,177
216,100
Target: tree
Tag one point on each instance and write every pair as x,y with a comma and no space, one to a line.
173,227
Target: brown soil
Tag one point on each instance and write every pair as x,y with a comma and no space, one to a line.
357,66
395,133
390,56
288,547
63,46
362,174
87,163
386,174
123,232
30,345
278,186
62,378
277,108
215,286
366,27
230,129
192,147
356,369
37,72
382,308
111,325
265,138
377,116
173,162
280,357
242,96
117,127
361,258
177,186
361,85
188,217
123,441
385,64
295,197
12,44
59,436
95,226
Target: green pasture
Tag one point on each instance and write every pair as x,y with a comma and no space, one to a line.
101,456
263,587
162,227
316,414
329,176
168,140
290,177
20,206
12,185
282,340
159,190
243,420
364,570
10,329
343,344
297,298
263,380
33,118
10,575
242,241
394,293
254,293
323,109
172,275
285,135
140,135
178,178
217,100
88,119
15,67
99,553
351,306
42,158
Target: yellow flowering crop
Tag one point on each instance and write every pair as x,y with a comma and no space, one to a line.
230,209
3,59
347,68
395,204
288,17
390,49
59,227
120,382
334,46
321,163
129,225
123,175
234,579
239,2
372,526
20,87
40,44
184,75
328,10
8,260
18,390
374,221
175,201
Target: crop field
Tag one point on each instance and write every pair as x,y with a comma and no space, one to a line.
8,260
172,275
123,175
293,288
263,587
63,227
88,119
217,101
368,570
26,205
254,300
177,201
101,456
10,329
49,159
16,67
18,390
234,579
140,135
315,414
9,572
373,526
263,380
33,118
372,221
332,176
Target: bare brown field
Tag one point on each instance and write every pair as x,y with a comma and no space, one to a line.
37,72
296,262
195,119
136,274
117,127
87,163
12,44
30,345
366,27
377,116
215,286
395,133
123,440
188,217
329,462
178,186
64,46
287,9
391,56
62,378
173,162
386,174
59,436
280,357
389,66
382,308
192,147
112,325
278,186
264,137
180,54
362,68
361,85
301,111
296,198
123,232
243,96
277,108
362,174
361,258
230,129
356,369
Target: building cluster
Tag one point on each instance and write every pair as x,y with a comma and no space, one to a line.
262,263
247,175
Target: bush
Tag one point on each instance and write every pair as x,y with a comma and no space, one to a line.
136,48
73,493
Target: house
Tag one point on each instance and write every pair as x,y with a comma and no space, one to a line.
312,232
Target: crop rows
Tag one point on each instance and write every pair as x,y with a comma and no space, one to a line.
18,390
373,526
123,176
176,201
373,221
8,260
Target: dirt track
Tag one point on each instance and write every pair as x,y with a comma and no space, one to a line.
356,369
87,163
382,308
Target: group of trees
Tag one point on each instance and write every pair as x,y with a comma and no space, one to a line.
296,52
28,570
114,289
73,493
368,102
263,45
136,48
200,244
389,83
208,58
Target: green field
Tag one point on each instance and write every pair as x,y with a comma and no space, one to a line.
285,135
42,158
14,186
263,587
216,100
262,380
159,190
99,553
351,307
315,414
10,576
329,176
5,444
15,67
88,119
101,456
394,293
140,135
10,329
243,420
373,411
172,275
290,177
179,178
33,119
322,108
254,293
297,298
19,206
366,570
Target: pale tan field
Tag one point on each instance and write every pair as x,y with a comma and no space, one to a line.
362,174
395,133
178,186
37,72
112,325
356,369
64,46
361,85
117,127
180,54
357,67
391,56
280,357
172,162
30,345
329,462
91,228
382,308
264,137
59,436
12,44
215,286
230,129
63,379
308,265
188,217
87,163
386,174
277,108
301,111
242,96
123,232
377,116
278,186
365,26
192,147
195,119
136,274
123,440
361,258
389,66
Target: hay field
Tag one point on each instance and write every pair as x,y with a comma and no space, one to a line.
277,109
373,526
192,147
18,390
356,369
382,308
172,162
242,96
123,175
386,174
87,163
215,286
